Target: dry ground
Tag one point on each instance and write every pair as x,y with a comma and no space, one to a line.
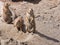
47,21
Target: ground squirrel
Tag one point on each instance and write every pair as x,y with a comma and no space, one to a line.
29,20
7,13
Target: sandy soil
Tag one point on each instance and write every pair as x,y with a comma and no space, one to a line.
47,21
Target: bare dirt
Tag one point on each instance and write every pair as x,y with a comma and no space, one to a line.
47,21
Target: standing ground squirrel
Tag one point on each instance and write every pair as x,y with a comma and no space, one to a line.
7,13
29,20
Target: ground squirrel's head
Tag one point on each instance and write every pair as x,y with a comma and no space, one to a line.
29,12
6,7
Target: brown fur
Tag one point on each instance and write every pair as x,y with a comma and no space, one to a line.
7,13
29,20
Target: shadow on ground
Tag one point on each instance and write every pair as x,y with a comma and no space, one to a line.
47,37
